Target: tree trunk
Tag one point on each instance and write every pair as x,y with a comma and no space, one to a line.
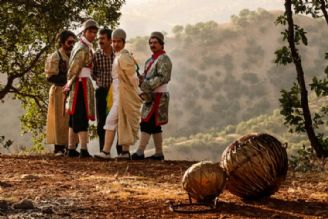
323,9
301,81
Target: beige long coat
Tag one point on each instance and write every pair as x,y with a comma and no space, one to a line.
129,102
57,121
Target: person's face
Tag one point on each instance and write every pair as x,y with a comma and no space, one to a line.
90,34
118,44
68,44
154,45
104,42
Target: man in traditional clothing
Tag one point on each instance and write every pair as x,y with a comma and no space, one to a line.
56,73
124,114
81,106
102,68
155,94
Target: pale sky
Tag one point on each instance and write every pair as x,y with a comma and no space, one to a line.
140,17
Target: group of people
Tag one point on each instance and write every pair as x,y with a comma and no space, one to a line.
123,102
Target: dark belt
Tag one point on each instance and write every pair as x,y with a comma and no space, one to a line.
103,88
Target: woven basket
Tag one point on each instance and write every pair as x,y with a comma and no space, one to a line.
256,165
204,181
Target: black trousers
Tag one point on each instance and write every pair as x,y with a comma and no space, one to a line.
101,105
150,127
79,120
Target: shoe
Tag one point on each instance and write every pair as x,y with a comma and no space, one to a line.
59,153
103,155
72,153
125,155
59,150
136,156
156,157
84,153
119,149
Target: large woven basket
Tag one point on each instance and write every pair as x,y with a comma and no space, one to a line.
204,181
256,165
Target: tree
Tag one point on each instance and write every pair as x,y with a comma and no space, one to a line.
295,104
28,32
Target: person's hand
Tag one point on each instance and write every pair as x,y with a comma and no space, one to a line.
142,96
66,88
141,79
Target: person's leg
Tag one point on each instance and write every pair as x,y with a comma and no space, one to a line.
125,153
157,138
158,141
109,138
110,127
72,143
119,148
101,105
83,139
140,153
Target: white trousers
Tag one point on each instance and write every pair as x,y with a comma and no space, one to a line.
112,117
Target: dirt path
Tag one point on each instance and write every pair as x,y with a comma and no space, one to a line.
75,188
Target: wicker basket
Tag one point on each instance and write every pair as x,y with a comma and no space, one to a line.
256,165
204,181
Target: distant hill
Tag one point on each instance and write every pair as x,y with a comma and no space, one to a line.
224,73
210,144
140,17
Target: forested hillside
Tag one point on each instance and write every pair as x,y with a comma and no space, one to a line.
224,74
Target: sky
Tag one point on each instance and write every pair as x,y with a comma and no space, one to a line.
140,17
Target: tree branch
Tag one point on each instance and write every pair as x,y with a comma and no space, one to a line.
9,85
308,124
34,97
323,9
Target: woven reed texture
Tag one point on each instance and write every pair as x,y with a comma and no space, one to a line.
204,181
256,165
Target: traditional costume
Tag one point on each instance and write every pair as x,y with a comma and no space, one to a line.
154,112
57,119
81,104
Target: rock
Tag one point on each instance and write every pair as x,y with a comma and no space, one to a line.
24,204
4,205
29,177
47,210
4,184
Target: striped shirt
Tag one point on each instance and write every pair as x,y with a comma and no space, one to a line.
102,68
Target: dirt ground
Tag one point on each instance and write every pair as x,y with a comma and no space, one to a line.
76,188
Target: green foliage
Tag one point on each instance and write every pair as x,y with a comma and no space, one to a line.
294,102
291,109
300,35
304,160
283,56
28,32
5,143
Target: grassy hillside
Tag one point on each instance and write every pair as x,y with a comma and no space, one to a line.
210,144
224,73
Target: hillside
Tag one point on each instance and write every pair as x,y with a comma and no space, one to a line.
74,188
209,144
224,73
